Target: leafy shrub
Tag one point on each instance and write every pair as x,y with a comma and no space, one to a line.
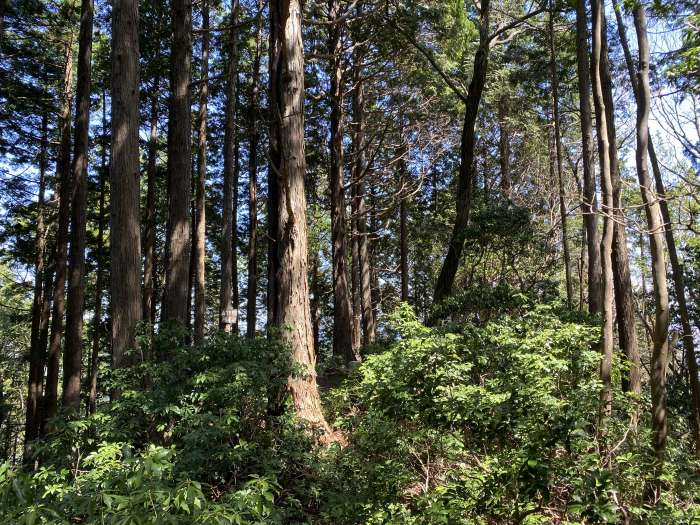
491,424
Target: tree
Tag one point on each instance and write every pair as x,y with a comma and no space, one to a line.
293,308
228,315
558,152
659,358
61,248
343,344
72,355
467,167
200,232
179,168
36,351
149,260
608,211
125,234
624,299
676,269
358,201
254,136
590,216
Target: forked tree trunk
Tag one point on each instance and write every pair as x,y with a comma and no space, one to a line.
36,352
73,353
228,312
179,168
293,309
624,298
467,168
606,346
252,295
125,227
659,358
343,344
61,250
200,304
676,268
590,216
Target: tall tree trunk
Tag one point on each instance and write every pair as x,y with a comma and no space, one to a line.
61,250
179,167
676,268
624,297
343,344
125,227
36,352
467,168
294,313
355,274
659,358
590,217
359,205
504,144
252,296
200,304
228,312
73,353
560,174
149,264
99,284
607,207
193,253
403,223
274,163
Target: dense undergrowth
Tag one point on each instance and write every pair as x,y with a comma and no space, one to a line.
487,420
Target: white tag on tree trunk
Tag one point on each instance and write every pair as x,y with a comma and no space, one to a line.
229,316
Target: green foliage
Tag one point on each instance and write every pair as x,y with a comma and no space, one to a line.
492,424
214,414
463,424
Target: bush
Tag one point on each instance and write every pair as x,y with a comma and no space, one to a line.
492,424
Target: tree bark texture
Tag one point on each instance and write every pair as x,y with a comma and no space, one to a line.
590,206
125,228
467,168
73,353
293,308
179,167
